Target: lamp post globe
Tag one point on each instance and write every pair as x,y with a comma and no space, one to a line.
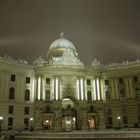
1,120
119,124
31,120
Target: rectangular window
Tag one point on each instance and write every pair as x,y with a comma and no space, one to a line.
13,77
27,80
138,108
88,82
106,82
108,96
11,93
135,79
120,80
109,120
26,122
124,109
10,121
26,110
11,109
125,120
48,81
109,109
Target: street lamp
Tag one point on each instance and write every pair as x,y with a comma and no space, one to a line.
1,120
119,122
31,120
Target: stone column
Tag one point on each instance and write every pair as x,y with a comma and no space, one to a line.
59,79
116,89
130,88
54,88
42,88
94,98
78,88
38,87
102,90
112,89
84,96
127,87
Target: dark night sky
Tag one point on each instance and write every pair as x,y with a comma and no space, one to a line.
108,30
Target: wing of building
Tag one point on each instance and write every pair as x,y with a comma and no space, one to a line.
60,93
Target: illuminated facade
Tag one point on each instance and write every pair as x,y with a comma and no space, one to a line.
60,93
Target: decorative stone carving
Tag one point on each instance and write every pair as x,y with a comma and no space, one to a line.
68,58
39,61
68,92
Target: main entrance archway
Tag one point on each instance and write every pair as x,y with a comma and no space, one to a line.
69,114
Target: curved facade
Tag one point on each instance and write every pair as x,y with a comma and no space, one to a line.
66,95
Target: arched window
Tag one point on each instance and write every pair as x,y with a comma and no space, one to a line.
27,95
47,96
89,97
11,93
108,97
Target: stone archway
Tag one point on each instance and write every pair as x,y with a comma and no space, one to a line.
69,114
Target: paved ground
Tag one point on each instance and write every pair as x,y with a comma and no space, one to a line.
122,134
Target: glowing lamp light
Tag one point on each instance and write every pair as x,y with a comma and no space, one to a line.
119,117
31,119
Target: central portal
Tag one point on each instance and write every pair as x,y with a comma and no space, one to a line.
69,117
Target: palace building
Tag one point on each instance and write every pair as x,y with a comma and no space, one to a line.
60,93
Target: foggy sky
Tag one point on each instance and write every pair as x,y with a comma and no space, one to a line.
108,30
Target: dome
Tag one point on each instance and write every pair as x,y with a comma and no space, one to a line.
60,45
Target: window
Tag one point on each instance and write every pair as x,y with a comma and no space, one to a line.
11,109
47,97
26,110
124,109
88,82
125,120
13,77
109,120
137,92
108,97
27,95
109,109
26,123
138,108
89,96
120,80
27,80
48,81
11,93
47,109
122,95
92,109
10,121
106,82
139,118
135,79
